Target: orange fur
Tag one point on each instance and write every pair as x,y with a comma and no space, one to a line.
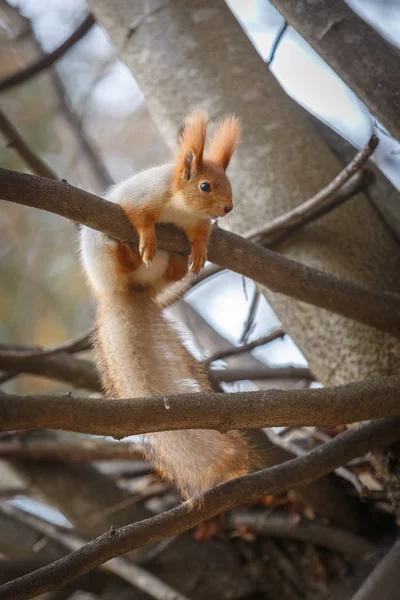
143,220
139,353
199,235
192,142
224,142
177,268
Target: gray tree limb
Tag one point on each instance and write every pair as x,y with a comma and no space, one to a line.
326,407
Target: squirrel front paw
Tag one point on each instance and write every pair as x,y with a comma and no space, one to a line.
197,259
148,247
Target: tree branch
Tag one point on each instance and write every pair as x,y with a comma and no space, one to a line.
85,450
278,273
354,50
312,532
61,366
133,574
324,407
295,216
266,339
48,59
15,140
298,471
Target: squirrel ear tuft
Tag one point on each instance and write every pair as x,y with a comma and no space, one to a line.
224,141
192,138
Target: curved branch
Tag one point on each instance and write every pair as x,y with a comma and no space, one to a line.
298,471
230,251
48,59
296,215
323,407
280,526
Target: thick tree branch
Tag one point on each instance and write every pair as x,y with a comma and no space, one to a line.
49,59
278,273
324,407
355,51
15,140
276,480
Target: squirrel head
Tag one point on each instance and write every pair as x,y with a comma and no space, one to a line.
200,182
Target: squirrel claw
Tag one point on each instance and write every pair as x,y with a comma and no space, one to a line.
197,262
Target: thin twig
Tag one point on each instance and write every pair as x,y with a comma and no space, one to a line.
312,532
49,59
80,343
262,341
296,214
280,274
299,471
249,323
358,182
324,407
132,573
15,140
276,43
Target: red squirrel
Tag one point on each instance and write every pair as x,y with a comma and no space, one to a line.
139,352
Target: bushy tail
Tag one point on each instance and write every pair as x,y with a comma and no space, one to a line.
140,354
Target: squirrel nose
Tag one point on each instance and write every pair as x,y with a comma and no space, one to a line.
228,209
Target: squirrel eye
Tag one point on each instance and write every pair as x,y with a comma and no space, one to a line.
205,187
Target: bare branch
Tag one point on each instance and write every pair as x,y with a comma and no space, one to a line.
358,182
79,343
266,339
298,471
85,450
61,366
355,51
260,372
15,140
312,532
383,582
280,274
49,59
295,216
249,323
324,407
